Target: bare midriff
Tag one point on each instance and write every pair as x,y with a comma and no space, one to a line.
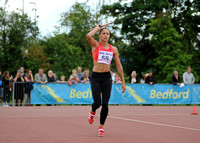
100,67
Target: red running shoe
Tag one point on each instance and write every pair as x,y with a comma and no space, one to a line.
101,132
91,117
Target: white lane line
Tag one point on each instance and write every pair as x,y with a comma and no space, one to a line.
153,123
38,116
153,115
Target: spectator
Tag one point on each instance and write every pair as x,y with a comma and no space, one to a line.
41,77
55,77
22,72
19,88
176,79
80,74
73,78
50,76
133,77
29,86
188,77
117,79
85,78
142,81
1,88
62,79
7,84
150,79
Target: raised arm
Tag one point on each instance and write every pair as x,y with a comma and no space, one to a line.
119,68
90,37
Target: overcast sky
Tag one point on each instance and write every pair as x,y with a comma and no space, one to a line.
48,10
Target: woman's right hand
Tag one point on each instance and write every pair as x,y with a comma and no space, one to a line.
99,26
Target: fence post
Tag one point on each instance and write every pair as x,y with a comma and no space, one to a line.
13,104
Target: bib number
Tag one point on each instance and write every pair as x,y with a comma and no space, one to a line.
105,57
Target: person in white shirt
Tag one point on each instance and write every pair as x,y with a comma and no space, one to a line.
133,77
188,77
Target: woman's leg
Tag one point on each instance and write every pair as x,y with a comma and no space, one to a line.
106,91
96,89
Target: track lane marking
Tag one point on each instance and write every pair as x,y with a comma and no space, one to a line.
154,123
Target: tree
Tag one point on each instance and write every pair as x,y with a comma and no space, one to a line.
133,19
167,43
16,32
36,58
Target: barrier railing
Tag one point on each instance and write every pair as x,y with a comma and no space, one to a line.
55,93
135,94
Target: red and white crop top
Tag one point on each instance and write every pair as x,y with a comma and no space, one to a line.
101,55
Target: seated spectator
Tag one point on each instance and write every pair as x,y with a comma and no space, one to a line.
117,79
85,78
29,86
7,84
79,74
176,79
19,88
150,79
41,77
55,77
133,77
73,78
188,77
62,79
142,81
50,76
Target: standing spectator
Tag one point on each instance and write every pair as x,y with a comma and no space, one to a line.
85,78
1,88
62,79
55,77
50,76
80,74
19,88
150,79
29,86
41,77
6,79
73,78
133,77
22,72
176,79
188,77
142,81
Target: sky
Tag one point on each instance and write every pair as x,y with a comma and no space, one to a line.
49,11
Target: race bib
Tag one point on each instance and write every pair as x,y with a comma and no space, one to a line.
105,57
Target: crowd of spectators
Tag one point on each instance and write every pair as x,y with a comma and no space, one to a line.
22,91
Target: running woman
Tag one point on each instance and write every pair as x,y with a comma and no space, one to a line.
101,82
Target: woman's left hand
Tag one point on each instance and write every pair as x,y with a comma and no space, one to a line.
123,87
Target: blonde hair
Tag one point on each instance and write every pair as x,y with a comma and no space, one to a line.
133,74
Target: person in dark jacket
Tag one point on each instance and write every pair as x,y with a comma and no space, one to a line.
150,79
50,76
175,78
198,81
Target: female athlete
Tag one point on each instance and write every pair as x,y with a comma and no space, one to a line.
101,82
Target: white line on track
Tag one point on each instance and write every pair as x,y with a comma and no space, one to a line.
38,116
154,123
153,115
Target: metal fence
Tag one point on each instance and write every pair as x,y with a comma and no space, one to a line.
21,93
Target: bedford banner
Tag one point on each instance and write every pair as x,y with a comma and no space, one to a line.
135,94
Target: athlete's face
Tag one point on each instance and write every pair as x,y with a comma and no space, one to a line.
104,35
